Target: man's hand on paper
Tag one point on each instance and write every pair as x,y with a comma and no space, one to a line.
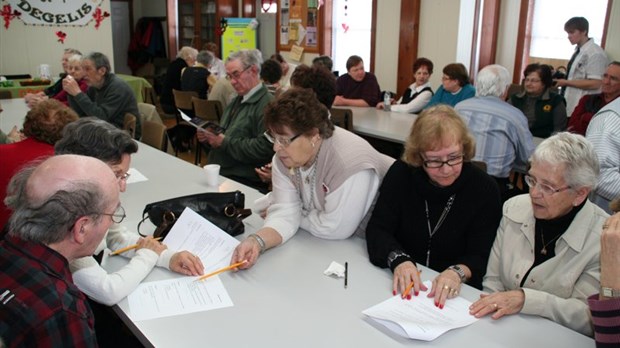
499,303
186,263
151,243
404,274
445,286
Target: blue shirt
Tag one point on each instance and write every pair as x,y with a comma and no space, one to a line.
444,97
503,139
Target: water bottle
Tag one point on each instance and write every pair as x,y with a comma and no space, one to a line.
386,101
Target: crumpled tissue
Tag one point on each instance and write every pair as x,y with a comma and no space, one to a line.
335,269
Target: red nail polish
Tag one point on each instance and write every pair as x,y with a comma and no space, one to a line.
436,304
417,293
440,306
408,297
393,292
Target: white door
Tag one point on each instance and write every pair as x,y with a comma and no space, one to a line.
121,34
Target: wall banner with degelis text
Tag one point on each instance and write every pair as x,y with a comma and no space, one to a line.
55,12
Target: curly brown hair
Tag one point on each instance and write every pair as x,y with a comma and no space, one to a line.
319,79
46,120
435,127
300,110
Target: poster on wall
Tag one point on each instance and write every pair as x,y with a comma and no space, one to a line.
55,12
240,34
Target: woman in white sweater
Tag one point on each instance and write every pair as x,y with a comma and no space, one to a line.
93,137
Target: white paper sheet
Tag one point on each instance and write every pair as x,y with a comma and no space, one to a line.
197,235
418,318
176,297
135,176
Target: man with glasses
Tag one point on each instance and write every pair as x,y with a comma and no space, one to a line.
59,215
242,146
503,139
93,137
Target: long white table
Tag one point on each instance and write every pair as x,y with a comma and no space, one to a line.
13,113
286,301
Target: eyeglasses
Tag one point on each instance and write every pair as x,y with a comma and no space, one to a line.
532,80
122,176
446,78
545,189
284,142
118,216
237,74
452,161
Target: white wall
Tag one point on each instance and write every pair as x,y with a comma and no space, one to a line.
386,42
24,47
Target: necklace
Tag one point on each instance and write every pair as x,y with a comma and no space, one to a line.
310,181
543,251
442,218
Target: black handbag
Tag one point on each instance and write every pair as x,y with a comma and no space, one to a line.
223,209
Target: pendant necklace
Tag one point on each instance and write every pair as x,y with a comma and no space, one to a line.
443,216
310,181
543,251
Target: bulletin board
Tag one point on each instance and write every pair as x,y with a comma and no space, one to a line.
297,24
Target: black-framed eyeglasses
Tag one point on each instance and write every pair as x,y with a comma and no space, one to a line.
284,142
546,190
122,176
237,74
451,161
118,215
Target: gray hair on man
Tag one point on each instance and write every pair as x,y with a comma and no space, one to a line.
100,60
205,58
575,153
247,58
47,202
492,80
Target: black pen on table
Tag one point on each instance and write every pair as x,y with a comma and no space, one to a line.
346,274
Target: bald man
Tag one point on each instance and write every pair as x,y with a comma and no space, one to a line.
58,215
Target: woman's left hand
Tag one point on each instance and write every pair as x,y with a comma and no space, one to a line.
446,285
499,303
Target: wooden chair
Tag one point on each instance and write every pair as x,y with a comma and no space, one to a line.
183,101
480,164
209,110
148,112
342,118
5,95
154,134
129,124
513,89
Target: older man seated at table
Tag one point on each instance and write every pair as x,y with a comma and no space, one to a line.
59,216
503,139
242,146
43,127
357,87
545,258
108,97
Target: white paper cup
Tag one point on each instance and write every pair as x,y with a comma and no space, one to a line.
213,174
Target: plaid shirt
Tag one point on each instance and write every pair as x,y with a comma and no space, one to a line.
39,304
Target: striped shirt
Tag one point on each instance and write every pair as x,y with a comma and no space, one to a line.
604,134
606,320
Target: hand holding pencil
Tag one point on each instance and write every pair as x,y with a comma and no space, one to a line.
148,242
407,279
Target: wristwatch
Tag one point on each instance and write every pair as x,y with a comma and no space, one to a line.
610,292
460,272
392,256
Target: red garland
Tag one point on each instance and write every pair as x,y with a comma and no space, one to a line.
98,16
61,36
9,15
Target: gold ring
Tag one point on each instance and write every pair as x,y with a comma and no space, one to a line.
605,226
445,287
495,306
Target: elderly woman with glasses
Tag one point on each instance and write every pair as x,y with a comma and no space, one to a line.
435,208
325,178
545,110
545,259
93,137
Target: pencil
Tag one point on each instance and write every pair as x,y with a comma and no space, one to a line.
346,274
410,286
227,268
120,251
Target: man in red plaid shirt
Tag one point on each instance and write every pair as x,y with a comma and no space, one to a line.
61,211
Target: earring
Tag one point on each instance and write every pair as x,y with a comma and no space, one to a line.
312,145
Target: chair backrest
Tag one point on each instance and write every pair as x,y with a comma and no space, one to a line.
148,112
210,110
183,99
342,118
129,124
513,89
154,134
5,95
480,164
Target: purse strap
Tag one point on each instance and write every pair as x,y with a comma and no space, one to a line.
168,219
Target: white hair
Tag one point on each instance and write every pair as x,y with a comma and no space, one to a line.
575,153
492,80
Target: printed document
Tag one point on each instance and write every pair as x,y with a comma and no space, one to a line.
176,297
418,318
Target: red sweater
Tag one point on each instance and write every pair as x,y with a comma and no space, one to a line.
12,158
